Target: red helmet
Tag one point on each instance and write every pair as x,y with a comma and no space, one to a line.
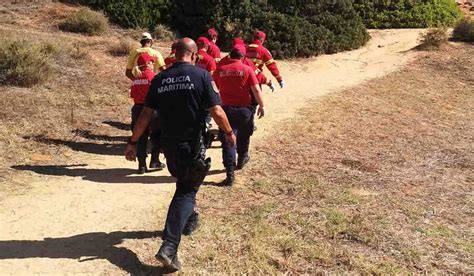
238,41
260,35
212,33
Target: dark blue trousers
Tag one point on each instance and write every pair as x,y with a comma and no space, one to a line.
241,121
153,132
179,156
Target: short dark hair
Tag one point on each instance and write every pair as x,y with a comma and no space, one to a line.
145,41
234,54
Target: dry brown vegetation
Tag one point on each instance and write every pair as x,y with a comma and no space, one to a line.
434,38
375,179
85,21
38,123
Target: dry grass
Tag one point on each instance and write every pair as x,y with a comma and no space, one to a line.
85,21
376,179
122,48
434,38
78,95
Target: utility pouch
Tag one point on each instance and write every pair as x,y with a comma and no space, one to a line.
197,171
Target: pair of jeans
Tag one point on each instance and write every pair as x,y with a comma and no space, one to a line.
153,132
179,157
241,120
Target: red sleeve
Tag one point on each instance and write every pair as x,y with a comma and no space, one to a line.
271,64
211,65
252,78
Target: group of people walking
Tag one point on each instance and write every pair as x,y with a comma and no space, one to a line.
175,99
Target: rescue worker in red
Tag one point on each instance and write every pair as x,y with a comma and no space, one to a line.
171,59
236,81
213,50
205,61
262,79
139,92
261,56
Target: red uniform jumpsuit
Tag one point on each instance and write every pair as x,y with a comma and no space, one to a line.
261,56
213,50
139,92
234,81
205,61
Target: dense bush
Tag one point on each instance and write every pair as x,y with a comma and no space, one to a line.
407,13
25,63
294,28
130,13
464,30
85,21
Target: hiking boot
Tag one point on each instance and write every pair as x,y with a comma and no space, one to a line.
230,178
155,163
192,224
168,256
158,166
142,167
242,161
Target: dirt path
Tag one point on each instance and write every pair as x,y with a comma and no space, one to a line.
81,219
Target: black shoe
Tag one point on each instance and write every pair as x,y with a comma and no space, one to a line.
230,179
142,169
168,256
242,161
192,224
158,166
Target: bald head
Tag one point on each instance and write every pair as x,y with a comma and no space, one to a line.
185,49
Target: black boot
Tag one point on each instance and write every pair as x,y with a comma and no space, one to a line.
142,166
168,256
230,177
242,160
155,163
192,224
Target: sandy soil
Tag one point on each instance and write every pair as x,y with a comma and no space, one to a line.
90,218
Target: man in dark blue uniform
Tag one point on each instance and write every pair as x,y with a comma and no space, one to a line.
182,94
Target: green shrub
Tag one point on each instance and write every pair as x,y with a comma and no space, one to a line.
294,28
407,13
464,30
130,13
24,63
433,38
85,21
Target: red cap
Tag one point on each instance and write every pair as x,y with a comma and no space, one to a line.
240,48
238,41
260,35
144,58
203,40
212,32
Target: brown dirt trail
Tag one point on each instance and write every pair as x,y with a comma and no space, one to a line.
85,218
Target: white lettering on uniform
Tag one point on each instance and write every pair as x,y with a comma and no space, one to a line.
231,73
176,83
140,82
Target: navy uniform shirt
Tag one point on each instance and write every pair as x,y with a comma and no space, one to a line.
182,94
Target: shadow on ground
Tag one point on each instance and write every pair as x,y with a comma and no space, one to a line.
85,247
88,147
84,133
118,125
109,176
